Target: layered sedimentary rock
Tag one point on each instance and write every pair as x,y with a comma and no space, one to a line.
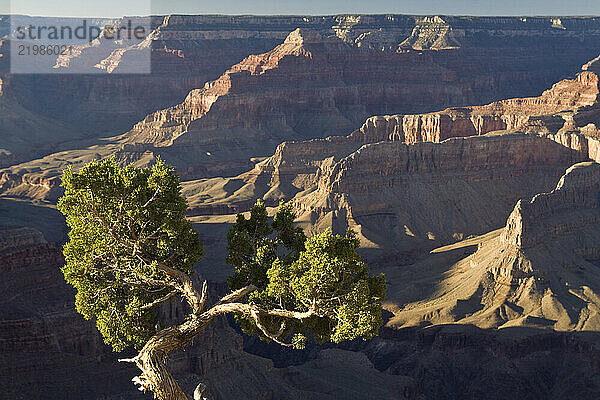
459,361
266,98
405,197
42,340
357,67
183,57
567,113
402,198
568,95
541,270
532,223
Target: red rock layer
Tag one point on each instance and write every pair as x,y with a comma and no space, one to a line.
313,86
569,95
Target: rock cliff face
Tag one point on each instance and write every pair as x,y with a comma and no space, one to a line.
541,270
358,66
532,223
402,198
457,361
568,95
163,127
185,53
427,193
266,99
40,331
566,113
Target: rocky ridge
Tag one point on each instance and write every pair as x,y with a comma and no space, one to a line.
426,193
567,113
472,55
541,270
420,195
164,126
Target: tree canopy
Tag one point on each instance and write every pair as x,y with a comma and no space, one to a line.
124,222
322,277
131,248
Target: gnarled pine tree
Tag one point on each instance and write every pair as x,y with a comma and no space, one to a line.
130,249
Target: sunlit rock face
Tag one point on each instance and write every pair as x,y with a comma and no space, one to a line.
267,98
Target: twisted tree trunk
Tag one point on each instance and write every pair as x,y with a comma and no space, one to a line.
152,359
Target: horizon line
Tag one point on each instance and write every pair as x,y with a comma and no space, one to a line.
315,15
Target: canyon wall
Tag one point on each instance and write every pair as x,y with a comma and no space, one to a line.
401,197
578,191
266,99
329,76
456,362
426,194
567,113
539,271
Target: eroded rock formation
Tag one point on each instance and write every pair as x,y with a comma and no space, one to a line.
541,270
402,198
358,67
566,113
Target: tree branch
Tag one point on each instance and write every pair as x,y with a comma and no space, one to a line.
248,309
274,337
158,301
238,294
204,296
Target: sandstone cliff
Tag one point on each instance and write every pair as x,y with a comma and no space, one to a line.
445,60
401,198
428,193
567,113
